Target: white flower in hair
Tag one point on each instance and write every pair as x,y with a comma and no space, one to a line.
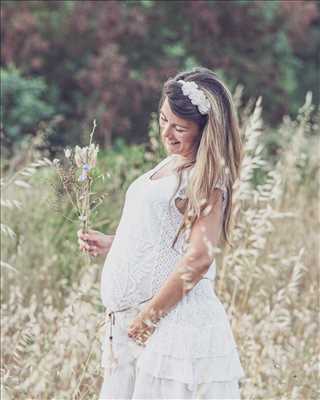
196,95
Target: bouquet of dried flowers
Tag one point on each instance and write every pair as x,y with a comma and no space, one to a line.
77,176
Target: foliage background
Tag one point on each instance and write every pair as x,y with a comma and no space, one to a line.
108,59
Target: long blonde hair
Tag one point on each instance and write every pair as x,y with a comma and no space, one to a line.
218,150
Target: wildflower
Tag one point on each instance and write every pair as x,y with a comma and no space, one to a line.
79,156
92,154
86,155
86,168
82,177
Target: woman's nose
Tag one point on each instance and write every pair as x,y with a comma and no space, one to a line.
167,132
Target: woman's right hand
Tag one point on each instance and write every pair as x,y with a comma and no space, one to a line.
94,242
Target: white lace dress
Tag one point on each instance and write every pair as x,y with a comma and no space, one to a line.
192,353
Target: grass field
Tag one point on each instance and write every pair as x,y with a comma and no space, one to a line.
52,314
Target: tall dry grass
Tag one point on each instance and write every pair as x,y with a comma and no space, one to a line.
52,320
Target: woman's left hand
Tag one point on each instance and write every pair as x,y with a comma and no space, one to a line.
141,328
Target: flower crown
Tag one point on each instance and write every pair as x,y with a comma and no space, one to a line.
196,95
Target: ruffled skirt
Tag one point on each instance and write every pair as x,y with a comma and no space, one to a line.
192,354
128,382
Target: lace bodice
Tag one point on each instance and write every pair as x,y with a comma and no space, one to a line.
141,257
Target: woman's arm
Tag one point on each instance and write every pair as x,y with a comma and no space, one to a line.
194,264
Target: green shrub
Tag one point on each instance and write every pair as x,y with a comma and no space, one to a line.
24,102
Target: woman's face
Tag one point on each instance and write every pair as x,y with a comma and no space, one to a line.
179,135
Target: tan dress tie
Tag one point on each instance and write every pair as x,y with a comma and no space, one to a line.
112,319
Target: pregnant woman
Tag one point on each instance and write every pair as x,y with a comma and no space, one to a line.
168,335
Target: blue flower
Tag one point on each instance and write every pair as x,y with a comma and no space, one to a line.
82,177
86,167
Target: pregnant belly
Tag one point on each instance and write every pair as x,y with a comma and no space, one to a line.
125,284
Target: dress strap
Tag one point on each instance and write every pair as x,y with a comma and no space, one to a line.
155,169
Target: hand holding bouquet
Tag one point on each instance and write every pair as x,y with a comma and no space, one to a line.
95,242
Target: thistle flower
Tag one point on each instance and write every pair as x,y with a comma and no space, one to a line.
79,156
86,155
93,152
67,153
